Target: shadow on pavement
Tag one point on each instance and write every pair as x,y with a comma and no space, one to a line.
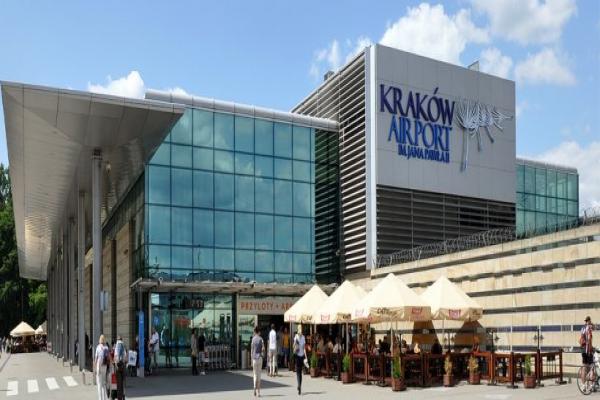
177,382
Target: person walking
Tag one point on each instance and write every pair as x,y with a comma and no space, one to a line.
300,353
120,358
257,348
285,344
101,360
272,351
194,348
201,353
155,344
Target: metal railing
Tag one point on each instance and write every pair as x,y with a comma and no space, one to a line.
482,239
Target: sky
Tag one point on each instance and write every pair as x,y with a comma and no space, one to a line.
274,53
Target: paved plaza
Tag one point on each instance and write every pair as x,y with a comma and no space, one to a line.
40,376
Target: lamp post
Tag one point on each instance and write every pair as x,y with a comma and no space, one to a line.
539,338
492,337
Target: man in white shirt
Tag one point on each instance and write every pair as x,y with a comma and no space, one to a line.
272,350
155,343
299,351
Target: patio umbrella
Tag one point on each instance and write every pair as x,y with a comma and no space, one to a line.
339,306
449,302
23,329
41,330
304,309
391,300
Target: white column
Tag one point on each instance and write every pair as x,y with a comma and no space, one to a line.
80,275
96,244
72,291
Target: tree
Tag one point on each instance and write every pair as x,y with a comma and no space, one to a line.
20,299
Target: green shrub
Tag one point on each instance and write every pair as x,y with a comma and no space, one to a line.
527,365
314,360
396,368
346,363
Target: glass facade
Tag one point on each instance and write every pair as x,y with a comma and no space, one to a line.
547,197
230,197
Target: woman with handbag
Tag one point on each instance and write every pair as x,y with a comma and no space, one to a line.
299,353
257,349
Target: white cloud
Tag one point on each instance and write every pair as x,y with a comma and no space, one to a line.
427,30
520,107
585,159
131,85
494,62
544,67
527,21
331,57
178,91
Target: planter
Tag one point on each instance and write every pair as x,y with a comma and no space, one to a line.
314,372
448,380
346,377
474,378
529,381
398,384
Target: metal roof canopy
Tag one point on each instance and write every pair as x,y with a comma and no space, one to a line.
246,288
51,134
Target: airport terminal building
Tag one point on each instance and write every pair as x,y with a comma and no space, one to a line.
179,211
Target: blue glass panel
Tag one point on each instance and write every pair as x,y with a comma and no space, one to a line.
181,156
301,143
223,131
302,199
301,171
561,206
244,193
264,261
551,183
561,185
203,258
244,164
263,166
264,232
283,263
224,191
264,195
223,161
529,179
244,134
283,168
182,130
264,277
572,187
284,278
203,227
181,226
551,204
224,260
302,264
181,187
244,260
520,171
263,140
283,140
159,258
159,190
223,229
203,158
283,233
573,209
203,189
283,197
162,155
302,234
159,224
203,128
181,257
244,230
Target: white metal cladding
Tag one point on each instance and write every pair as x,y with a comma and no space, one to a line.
243,109
342,98
51,134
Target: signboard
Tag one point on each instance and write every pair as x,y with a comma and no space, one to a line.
141,342
264,306
442,128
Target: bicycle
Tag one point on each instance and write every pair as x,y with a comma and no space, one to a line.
588,376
